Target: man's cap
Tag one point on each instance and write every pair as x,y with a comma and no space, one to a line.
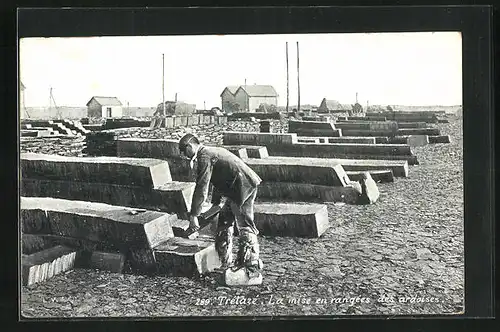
184,141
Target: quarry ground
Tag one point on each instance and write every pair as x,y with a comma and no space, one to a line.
401,256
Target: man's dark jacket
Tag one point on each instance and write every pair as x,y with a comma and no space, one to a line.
229,175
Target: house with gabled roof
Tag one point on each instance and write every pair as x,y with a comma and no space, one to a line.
104,107
248,98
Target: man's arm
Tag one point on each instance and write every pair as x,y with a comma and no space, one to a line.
202,185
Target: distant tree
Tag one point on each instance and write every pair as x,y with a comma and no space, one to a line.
389,108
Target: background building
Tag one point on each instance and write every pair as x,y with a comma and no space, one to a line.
104,107
248,98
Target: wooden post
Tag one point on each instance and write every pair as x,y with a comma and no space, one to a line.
246,98
163,83
287,81
298,80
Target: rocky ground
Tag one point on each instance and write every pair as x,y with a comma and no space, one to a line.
400,256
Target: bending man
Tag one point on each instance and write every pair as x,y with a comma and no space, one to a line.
234,180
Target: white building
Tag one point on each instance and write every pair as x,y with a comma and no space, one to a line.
249,97
104,107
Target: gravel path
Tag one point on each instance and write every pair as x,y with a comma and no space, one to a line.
402,255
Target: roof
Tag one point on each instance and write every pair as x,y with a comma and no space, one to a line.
231,88
334,105
259,90
111,101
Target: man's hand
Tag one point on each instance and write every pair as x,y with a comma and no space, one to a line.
193,222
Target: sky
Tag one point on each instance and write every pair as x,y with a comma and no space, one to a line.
419,68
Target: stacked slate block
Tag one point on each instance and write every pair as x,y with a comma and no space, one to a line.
46,128
186,120
103,210
288,145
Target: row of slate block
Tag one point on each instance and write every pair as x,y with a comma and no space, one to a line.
185,121
62,205
288,145
328,128
284,178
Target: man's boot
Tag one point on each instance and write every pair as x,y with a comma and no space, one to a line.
248,266
224,247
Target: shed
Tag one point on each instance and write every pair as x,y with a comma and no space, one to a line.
104,107
248,97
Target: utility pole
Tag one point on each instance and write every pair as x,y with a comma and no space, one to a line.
246,99
52,100
163,82
287,81
298,80
356,97
204,106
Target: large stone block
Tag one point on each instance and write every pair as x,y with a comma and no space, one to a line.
171,197
353,125
298,171
37,242
338,150
411,160
122,171
141,261
317,132
180,169
255,138
366,118
100,222
418,140
35,221
45,264
366,133
405,125
399,167
300,220
322,125
439,139
359,140
301,192
381,176
419,131
31,243
238,151
428,117
185,257
107,261
308,140
411,140
252,151
148,148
